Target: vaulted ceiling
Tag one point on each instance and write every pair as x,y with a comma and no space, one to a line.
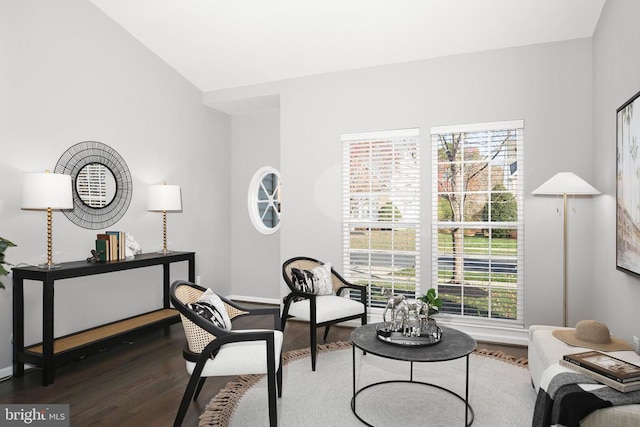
219,44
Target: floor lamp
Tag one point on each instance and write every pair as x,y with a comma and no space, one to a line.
565,184
47,191
164,198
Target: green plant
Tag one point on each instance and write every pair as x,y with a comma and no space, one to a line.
388,212
432,300
504,207
4,244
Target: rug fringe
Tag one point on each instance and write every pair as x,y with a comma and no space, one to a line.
218,412
523,362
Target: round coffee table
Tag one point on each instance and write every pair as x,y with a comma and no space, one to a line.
454,345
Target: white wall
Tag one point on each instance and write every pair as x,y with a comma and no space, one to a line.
69,74
549,86
255,257
614,294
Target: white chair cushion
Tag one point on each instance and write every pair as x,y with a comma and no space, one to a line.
241,358
328,307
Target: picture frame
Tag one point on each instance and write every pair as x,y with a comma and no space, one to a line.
628,186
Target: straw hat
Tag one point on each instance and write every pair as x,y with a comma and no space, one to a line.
591,334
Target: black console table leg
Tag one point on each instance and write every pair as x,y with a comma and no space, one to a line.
18,325
47,332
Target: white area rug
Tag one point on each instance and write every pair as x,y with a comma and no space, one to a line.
500,393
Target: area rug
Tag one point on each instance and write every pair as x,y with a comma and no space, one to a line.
500,392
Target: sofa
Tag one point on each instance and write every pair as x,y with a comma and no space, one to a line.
546,350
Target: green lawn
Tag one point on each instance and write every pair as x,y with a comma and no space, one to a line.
500,301
405,240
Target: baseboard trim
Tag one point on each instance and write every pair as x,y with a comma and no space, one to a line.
6,373
257,300
492,334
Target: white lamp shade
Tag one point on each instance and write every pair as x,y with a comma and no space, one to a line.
164,198
47,190
566,183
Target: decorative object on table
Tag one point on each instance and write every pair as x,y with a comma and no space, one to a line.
4,244
47,191
164,198
607,365
591,334
132,247
404,319
393,302
603,379
112,244
102,184
415,334
432,301
411,318
96,256
565,184
627,187
410,324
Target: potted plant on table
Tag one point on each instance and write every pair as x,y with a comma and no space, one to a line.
432,301
432,304
4,244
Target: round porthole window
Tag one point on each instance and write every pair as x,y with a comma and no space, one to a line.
264,200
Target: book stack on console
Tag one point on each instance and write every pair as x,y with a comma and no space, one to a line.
111,245
608,370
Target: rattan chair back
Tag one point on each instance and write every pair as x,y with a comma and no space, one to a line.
197,338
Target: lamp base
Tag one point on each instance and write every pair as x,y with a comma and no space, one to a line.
164,251
49,266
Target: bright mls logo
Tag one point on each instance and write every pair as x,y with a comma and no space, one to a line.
34,415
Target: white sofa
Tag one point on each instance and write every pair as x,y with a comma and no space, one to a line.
545,350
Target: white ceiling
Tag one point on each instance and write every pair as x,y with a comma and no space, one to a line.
219,44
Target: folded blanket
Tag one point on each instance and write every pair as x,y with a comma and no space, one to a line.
565,397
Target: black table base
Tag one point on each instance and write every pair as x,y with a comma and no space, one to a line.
364,339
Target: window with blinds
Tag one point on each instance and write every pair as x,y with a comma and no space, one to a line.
477,235
381,212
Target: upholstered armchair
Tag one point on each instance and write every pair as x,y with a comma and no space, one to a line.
213,348
320,296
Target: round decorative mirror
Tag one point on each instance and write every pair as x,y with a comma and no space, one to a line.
264,200
96,185
102,184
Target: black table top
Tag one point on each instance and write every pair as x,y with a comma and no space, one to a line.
454,345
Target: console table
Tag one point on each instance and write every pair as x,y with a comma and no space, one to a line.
51,349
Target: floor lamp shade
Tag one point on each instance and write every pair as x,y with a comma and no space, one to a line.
47,191
565,184
164,198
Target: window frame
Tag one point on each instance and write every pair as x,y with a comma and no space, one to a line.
263,201
518,224
404,191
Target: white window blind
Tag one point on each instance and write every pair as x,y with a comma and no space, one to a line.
91,184
381,212
477,235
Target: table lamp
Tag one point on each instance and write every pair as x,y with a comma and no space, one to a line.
164,198
47,191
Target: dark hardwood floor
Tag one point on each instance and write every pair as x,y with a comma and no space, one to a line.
141,383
